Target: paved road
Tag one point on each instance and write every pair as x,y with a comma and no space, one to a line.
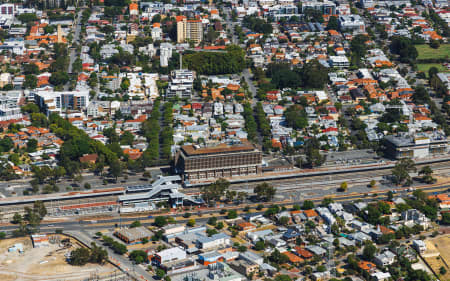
248,79
76,39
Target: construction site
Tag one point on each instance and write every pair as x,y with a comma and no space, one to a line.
43,257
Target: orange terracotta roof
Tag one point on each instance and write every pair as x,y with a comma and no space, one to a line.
293,258
311,213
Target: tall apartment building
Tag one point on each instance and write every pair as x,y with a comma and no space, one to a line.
7,10
59,102
181,84
222,161
165,54
189,30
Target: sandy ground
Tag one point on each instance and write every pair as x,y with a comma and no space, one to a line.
438,254
45,263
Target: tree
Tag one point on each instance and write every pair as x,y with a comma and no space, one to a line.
284,220
98,254
32,145
308,205
39,208
401,170
161,221
232,214
435,44
372,183
59,78
27,17
327,201
333,23
313,156
115,169
86,185
264,191
17,218
230,195
403,47
2,235
369,251
139,256
446,218
160,273
207,63
215,191
79,256
427,173
343,186
257,24
277,257
125,84
296,117
390,195
30,81
421,95
135,224
314,75
432,71
212,221
30,68
126,138
260,245
283,277
191,222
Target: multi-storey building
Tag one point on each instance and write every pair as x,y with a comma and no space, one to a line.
189,30
326,7
59,102
181,84
225,160
351,23
417,146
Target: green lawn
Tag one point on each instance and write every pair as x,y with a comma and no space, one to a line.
426,52
425,66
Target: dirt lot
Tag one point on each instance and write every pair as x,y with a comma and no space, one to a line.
438,254
45,263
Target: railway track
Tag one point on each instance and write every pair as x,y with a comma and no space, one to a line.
334,179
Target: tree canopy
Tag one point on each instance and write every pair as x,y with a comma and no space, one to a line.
213,63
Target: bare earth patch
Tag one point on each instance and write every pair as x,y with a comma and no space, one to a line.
45,263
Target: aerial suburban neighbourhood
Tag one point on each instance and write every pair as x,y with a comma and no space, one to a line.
225,140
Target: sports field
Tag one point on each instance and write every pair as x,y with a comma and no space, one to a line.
426,52
424,67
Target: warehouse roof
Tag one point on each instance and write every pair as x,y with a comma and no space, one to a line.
136,233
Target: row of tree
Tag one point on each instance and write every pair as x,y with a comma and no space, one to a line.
167,131
150,130
82,256
250,123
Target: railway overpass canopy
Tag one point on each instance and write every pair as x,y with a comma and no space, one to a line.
164,189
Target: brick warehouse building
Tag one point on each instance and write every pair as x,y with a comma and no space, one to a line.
196,163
